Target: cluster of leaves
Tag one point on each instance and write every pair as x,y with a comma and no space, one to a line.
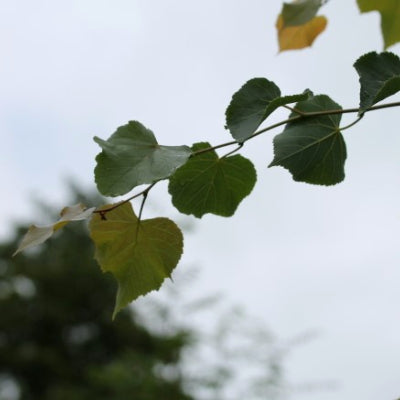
142,253
298,24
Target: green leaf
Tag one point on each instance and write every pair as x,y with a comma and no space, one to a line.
313,148
379,77
209,184
140,254
252,104
300,12
131,157
39,234
390,18
284,100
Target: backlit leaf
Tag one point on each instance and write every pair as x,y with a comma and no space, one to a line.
209,184
298,37
131,157
300,12
390,18
39,234
379,77
252,104
140,254
313,148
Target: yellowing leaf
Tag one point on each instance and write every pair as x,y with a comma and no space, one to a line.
390,17
298,37
140,254
39,234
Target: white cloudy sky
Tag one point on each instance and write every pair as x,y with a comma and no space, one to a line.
299,257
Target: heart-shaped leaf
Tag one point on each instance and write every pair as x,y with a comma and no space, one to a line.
312,148
140,254
209,184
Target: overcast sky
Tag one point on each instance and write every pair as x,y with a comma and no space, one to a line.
299,257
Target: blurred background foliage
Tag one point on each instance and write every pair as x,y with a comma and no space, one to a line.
58,342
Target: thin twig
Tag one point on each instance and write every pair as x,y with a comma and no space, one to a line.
296,118
240,145
353,123
212,148
294,110
143,192
142,204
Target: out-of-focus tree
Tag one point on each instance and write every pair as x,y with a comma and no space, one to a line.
58,341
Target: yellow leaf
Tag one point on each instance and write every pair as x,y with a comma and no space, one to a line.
298,37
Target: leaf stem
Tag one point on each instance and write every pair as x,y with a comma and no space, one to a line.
240,145
295,110
353,123
196,153
143,192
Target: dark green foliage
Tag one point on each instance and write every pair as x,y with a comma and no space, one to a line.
379,77
252,104
209,184
57,339
246,111
313,148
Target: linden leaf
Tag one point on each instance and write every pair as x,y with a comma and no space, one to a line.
298,37
312,148
140,254
300,12
379,77
390,18
252,104
131,157
39,234
209,184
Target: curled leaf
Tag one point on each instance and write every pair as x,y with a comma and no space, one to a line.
39,234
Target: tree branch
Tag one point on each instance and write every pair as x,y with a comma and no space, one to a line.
301,115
